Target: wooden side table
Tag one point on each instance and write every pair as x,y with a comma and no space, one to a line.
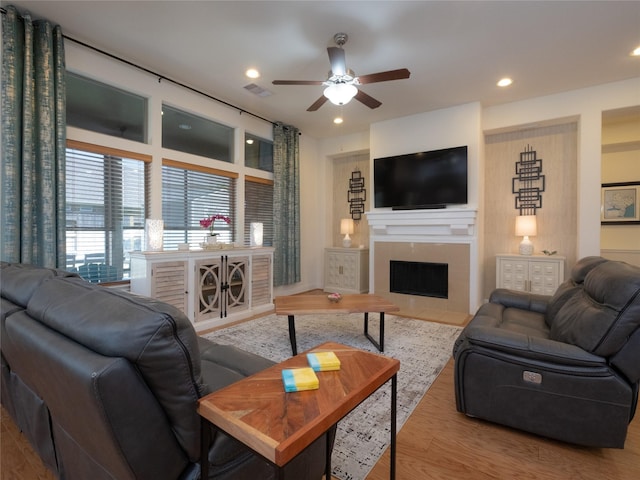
252,410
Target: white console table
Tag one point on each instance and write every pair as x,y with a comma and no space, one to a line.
212,287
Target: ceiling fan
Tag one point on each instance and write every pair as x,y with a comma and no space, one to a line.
341,85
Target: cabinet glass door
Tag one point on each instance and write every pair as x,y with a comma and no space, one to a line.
209,289
237,283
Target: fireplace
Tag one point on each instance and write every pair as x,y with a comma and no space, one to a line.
440,245
419,278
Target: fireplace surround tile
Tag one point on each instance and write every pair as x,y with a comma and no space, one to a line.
455,255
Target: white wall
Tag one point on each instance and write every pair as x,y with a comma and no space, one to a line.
588,104
621,163
313,208
451,127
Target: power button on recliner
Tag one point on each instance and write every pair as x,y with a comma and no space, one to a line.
531,377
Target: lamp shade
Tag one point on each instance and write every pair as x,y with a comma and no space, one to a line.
526,226
256,234
153,234
346,226
340,93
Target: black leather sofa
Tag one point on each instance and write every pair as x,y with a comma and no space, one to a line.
104,384
564,367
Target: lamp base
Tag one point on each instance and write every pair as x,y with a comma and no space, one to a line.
346,241
526,247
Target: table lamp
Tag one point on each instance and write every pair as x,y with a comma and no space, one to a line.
525,227
346,228
256,234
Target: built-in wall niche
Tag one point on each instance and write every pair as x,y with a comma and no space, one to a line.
343,168
556,219
621,164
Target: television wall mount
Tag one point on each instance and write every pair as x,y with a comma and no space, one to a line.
529,183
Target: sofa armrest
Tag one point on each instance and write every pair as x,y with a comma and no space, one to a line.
533,348
522,300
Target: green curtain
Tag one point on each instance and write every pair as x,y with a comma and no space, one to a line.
32,211
286,205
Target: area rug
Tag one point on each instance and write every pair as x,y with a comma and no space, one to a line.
422,347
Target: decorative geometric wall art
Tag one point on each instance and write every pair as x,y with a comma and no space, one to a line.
529,183
356,195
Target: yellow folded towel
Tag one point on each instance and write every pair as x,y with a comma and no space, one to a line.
323,361
298,379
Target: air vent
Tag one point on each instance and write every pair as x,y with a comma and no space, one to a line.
258,90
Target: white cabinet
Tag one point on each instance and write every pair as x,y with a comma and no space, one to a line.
222,286
539,274
346,270
170,283
212,287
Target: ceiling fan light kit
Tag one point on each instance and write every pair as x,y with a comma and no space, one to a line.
340,93
341,84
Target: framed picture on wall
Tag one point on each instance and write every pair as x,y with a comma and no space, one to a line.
620,203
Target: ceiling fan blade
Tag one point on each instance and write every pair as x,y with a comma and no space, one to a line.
317,104
384,76
338,61
368,100
297,82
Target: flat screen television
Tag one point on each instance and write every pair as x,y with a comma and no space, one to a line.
431,179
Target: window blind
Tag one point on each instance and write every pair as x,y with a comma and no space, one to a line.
191,193
258,196
105,208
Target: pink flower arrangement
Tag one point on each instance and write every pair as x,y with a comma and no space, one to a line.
208,222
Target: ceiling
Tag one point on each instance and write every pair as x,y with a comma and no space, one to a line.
456,51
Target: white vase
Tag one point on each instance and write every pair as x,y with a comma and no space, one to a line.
212,239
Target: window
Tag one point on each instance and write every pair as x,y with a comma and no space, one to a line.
189,133
105,204
191,193
258,197
105,109
258,153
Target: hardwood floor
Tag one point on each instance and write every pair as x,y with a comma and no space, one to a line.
439,443
17,459
436,442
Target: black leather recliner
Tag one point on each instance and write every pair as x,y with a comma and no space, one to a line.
565,367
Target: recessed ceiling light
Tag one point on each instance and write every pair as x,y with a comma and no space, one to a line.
636,52
249,141
504,82
252,73
338,120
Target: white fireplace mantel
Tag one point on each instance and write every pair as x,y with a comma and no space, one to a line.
429,225
437,226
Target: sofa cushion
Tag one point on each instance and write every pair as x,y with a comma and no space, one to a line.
571,286
157,338
602,315
19,281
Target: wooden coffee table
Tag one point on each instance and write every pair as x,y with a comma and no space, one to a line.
279,425
309,304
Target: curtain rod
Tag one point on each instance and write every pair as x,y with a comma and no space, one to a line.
160,76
